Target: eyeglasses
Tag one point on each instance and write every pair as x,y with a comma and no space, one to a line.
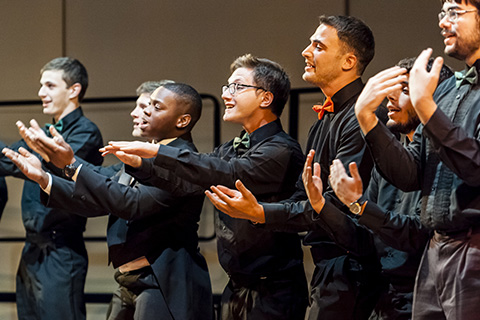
452,14
234,87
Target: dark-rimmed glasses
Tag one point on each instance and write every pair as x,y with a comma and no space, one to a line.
452,14
235,87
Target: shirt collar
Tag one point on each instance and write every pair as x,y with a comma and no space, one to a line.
344,95
265,131
71,118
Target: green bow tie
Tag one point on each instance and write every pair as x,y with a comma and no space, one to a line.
241,144
464,76
58,126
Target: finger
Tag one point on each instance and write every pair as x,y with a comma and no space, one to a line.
317,170
24,152
222,196
437,66
57,137
308,161
229,192
34,124
7,151
213,198
22,130
244,191
118,143
422,60
219,204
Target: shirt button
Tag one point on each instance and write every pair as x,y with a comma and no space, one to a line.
457,97
83,198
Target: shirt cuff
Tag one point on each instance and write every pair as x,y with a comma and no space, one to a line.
74,178
48,188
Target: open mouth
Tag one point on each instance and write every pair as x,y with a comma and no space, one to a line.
309,66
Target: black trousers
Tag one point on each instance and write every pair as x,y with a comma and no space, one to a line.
284,296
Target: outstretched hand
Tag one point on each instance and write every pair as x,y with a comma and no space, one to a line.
137,148
240,203
348,189
129,159
313,182
54,150
29,164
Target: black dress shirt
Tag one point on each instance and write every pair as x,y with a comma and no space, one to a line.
85,140
343,283
269,169
443,160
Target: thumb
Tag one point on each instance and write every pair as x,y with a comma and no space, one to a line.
354,171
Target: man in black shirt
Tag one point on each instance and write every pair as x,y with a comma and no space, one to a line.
152,234
54,260
399,253
343,286
443,162
267,279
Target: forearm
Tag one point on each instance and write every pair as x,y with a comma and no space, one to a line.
398,231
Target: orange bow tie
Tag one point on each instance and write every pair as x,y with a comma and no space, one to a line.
327,106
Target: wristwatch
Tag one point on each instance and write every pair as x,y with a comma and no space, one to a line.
357,206
70,169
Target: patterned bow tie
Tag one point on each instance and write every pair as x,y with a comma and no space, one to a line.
58,126
320,109
470,76
241,144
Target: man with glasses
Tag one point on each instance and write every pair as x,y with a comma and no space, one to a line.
267,279
443,161
344,286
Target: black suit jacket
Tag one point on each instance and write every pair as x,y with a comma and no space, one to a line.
146,221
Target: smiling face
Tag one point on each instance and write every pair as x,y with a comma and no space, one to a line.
244,106
401,114
55,94
324,57
462,37
137,114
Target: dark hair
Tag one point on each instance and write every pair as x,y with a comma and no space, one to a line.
475,3
73,72
445,73
355,35
150,86
189,97
268,75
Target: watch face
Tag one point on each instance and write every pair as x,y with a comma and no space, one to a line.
355,208
69,171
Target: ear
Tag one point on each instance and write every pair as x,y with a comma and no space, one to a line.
75,90
350,61
183,121
267,99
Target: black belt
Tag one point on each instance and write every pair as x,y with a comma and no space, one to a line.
246,280
457,233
